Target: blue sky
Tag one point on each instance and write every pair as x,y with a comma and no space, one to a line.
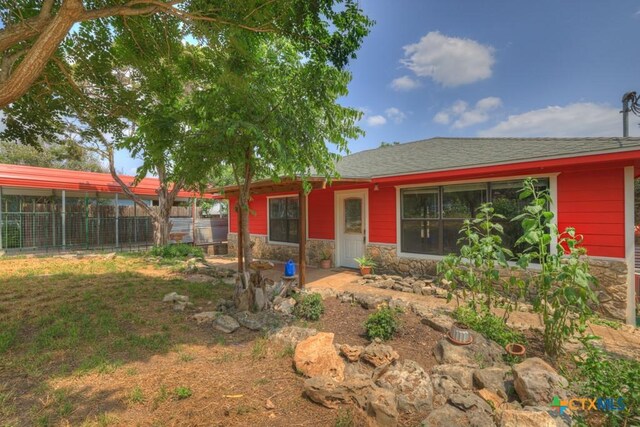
492,68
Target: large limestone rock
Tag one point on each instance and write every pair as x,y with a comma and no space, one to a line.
462,375
481,352
351,352
226,324
205,317
292,335
468,401
411,384
382,408
316,356
330,393
450,416
498,379
529,418
536,382
379,354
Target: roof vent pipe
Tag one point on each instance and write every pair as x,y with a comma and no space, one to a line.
630,102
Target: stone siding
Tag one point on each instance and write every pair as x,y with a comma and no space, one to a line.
262,249
611,275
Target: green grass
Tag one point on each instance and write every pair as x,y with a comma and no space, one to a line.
259,349
182,392
137,396
77,317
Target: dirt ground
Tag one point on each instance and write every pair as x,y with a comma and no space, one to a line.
89,342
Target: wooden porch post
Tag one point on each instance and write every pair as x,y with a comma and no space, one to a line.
302,251
193,220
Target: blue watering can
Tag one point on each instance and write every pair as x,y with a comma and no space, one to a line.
290,268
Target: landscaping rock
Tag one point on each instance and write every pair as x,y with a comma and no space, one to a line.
522,418
444,386
352,353
259,298
498,379
481,352
181,305
467,401
328,392
439,322
411,384
491,398
379,354
284,305
536,382
292,335
382,408
205,317
450,416
316,356
226,324
462,375
262,320
169,297
368,301
399,304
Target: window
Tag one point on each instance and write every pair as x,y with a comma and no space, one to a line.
283,219
431,217
353,215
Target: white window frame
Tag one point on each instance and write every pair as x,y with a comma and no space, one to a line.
553,191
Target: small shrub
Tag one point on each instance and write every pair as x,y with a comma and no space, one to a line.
598,375
382,324
345,418
489,325
179,250
309,306
183,392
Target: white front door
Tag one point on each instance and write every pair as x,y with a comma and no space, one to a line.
351,227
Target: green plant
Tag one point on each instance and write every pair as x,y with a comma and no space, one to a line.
259,349
309,306
598,375
365,261
383,324
476,269
562,289
489,325
182,392
325,254
179,250
136,395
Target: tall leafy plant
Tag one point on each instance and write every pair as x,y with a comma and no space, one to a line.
563,293
476,269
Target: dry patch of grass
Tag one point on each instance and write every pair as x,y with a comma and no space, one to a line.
67,318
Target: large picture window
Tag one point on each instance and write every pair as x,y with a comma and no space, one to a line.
283,219
431,217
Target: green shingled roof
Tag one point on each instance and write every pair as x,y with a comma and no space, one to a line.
458,153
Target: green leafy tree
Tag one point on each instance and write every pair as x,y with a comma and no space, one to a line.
60,156
273,114
34,33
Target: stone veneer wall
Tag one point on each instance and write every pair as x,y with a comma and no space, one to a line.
262,249
611,275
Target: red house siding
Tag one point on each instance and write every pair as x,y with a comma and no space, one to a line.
257,219
592,201
382,215
321,214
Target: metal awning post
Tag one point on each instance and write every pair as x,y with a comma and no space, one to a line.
117,222
302,221
64,219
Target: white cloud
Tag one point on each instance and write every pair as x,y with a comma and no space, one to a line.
394,114
376,120
463,116
450,61
405,83
579,119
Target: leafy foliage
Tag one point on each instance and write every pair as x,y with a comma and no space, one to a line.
476,269
489,325
61,156
365,261
179,250
383,324
562,290
600,375
182,392
309,306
